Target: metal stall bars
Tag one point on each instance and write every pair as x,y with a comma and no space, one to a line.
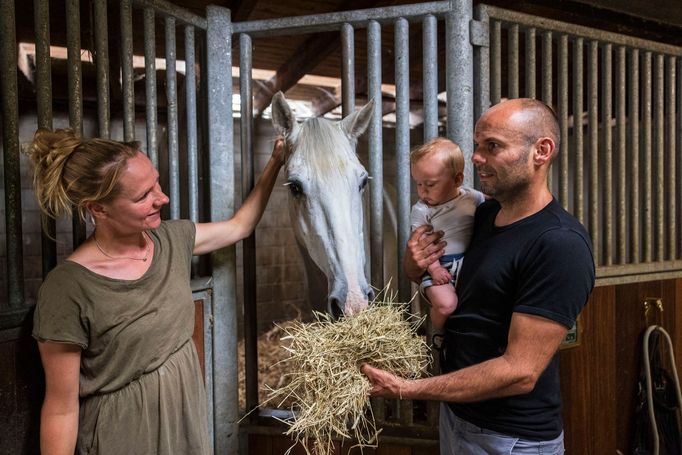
618,168
459,57
15,310
215,296
216,305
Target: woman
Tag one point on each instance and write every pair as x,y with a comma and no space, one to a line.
114,321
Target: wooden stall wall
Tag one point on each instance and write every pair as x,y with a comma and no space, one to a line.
21,391
599,377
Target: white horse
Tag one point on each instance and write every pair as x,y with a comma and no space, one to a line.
326,181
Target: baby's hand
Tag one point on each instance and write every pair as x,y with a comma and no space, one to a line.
441,276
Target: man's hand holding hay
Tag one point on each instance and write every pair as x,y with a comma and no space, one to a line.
385,384
331,394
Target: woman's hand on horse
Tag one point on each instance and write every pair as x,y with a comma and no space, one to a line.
279,150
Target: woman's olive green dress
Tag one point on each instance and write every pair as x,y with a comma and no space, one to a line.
140,382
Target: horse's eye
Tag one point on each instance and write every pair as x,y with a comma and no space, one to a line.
363,181
295,187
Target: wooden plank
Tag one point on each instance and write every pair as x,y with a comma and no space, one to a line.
393,449
8,444
260,444
30,390
587,388
198,334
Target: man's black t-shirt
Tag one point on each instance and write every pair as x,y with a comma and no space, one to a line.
541,265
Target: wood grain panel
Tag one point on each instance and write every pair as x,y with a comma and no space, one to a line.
587,385
630,324
30,391
8,443
198,335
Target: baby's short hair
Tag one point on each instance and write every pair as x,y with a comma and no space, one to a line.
443,148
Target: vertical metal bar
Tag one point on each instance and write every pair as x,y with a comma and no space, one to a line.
43,76
205,187
658,159
375,153
578,139
43,81
221,165
678,168
192,129
73,45
459,61
9,100
562,95
670,127
547,68
348,73
150,84
593,132
402,147
128,89
547,85
172,116
430,76
102,63
531,58
376,170
607,125
621,131
633,91
192,133
482,66
496,62
647,144
513,61
249,244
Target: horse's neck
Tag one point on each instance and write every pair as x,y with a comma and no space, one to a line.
317,282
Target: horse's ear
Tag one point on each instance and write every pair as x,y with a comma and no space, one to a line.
283,117
356,123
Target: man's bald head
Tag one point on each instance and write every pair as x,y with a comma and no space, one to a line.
532,118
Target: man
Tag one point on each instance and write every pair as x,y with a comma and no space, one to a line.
528,272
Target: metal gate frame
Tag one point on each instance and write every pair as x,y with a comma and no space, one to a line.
219,291
634,241
459,50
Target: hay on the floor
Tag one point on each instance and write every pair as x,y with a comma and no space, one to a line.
272,373
329,392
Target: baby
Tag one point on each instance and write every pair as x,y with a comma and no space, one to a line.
438,170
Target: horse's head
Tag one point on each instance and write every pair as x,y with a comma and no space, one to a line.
326,182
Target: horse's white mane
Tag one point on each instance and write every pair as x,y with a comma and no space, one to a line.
324,147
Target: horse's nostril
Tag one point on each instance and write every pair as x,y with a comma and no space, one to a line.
335,308
370,295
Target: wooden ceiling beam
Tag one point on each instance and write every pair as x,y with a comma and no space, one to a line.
304,60
323,105
313,51
242,9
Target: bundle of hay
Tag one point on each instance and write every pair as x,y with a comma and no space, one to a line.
324,379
